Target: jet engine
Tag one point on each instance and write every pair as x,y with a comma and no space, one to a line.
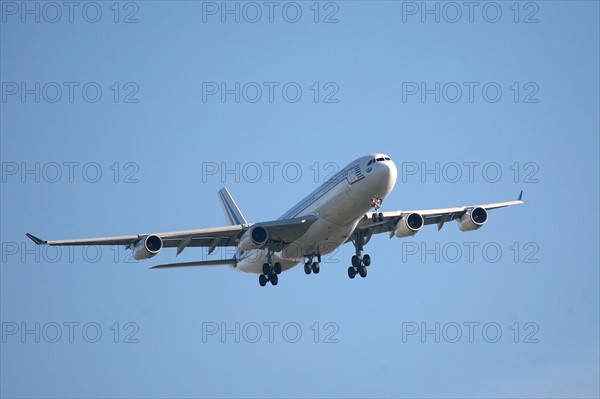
473,219
409,225
253,238
147,247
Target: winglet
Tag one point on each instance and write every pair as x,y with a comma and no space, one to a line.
35,239
521,195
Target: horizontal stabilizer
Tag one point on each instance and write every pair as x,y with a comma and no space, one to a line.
221,262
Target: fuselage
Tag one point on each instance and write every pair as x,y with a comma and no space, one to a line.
339,204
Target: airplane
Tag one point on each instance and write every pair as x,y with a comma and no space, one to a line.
337,212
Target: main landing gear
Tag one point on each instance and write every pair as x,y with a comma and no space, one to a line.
359,265
311,266
270,271
359,262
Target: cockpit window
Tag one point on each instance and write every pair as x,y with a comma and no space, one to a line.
380,159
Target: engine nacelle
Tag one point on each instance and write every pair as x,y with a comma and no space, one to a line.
409,225
147,247
473,219
254,238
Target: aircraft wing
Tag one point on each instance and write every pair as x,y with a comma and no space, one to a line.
367,227
281,232
199,238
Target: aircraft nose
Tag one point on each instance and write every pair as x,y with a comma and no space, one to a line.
391,174
386,175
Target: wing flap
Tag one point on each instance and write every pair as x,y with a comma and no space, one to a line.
221,262
117,240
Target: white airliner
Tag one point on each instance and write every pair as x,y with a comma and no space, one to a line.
335,213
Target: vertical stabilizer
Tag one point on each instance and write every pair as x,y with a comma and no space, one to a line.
232,212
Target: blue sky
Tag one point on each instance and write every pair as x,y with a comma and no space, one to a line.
132,126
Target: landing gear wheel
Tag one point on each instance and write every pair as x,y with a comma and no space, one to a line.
355,260
273,279
307,268
380,217
351,272
277,268
366,260
266,269
362,271
374,217
262,280
316,268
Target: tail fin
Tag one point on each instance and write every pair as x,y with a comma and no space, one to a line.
233,213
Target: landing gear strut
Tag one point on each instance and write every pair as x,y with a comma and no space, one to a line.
270,271
359,262
376,204
311,266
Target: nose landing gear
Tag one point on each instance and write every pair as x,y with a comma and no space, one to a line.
376,203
